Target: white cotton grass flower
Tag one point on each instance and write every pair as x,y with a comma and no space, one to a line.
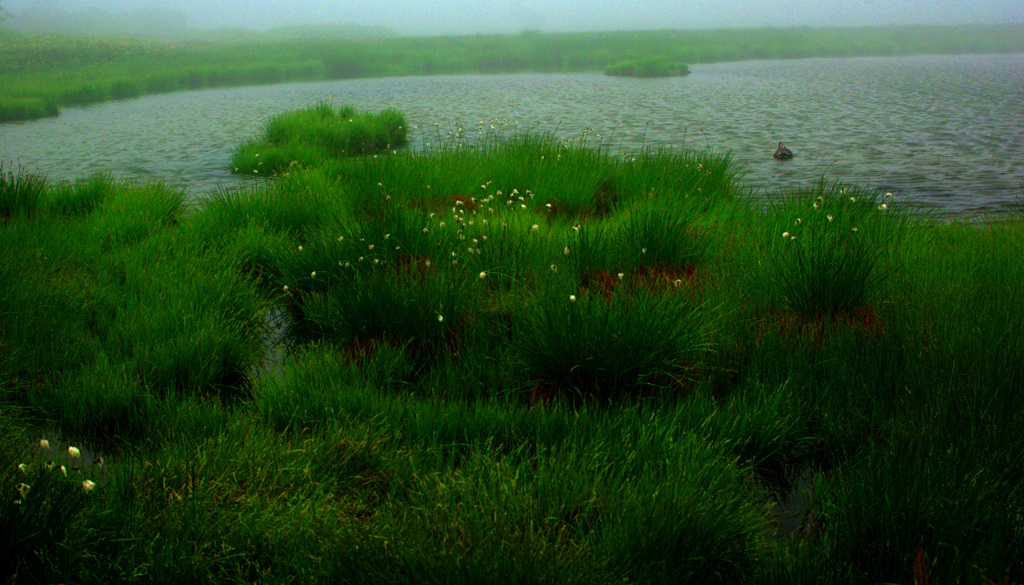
74,453
621,275
830,218
23,489
300,248
888,195
534,227
44,444
312,274
285,288
23,468
785,235
883,207
643,250
554,268
566,251
88,485
440,318
483,275
855,230
572,298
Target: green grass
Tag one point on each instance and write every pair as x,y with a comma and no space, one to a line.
440,409
19,192
42,73
314,135
648,67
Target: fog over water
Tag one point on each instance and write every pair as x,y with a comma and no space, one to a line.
433,17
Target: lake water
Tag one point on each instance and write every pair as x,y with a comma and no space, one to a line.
942,132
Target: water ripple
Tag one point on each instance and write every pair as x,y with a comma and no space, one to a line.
943,132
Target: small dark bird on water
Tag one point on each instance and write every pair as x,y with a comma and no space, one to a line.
783,153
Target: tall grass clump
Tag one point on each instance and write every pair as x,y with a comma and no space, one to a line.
368,288
662,234
954,501
629,340
831,249
314,135
20,191
81,196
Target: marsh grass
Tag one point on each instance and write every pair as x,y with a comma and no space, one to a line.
832,251
632,342
313,135
20,191
444,412
648,67
81,196
43,73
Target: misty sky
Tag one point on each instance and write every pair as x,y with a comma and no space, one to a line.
429,17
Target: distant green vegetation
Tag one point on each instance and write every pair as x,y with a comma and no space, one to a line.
40,74
50,18
519,359
649,67
317,134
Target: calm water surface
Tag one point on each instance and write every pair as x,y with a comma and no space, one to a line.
942,132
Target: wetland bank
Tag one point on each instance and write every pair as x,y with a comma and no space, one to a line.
509,356
519,359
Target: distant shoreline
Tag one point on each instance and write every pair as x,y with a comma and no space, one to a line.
43,73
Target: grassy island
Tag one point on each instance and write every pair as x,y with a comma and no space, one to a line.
650,67
317,134
517,360
39,74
